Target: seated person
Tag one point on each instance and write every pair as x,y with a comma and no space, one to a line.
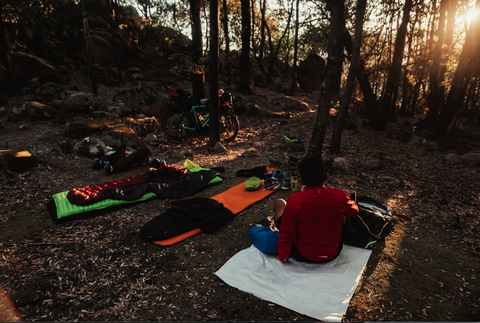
310,223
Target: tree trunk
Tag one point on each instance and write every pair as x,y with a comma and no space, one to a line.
274,53
347,93
113,32
393,78
214,123
262,41
327,89
198,75
434,98
93,78
293,87
227,42
244,86
467,64
5,59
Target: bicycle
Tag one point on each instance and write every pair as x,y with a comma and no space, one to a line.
186,118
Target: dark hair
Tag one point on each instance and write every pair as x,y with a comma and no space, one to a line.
312,171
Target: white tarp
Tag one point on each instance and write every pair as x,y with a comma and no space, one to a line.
321,291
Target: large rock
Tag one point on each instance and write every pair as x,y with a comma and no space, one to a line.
291,103
87,124
146,99
102,51
259,80
142,126
17,161
51,91
76,102
472,158
116,136
311,73
28,66
35,110
119,109
89,147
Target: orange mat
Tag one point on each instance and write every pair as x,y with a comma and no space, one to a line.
236,199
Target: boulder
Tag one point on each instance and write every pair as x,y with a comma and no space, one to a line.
35,110
291,103
311,73
146,99
118,135
102,51
27,66
97,22
51,91
89,147
17,161
86,124
76,102
142,126
259,80
119,109
472,158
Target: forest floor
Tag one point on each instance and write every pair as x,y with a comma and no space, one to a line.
98,269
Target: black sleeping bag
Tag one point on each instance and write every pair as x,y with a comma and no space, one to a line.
184,216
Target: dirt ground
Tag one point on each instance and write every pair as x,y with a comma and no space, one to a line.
98,269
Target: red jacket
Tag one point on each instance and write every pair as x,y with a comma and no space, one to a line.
312,220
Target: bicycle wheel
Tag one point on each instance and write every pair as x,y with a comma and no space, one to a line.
178,126
229,126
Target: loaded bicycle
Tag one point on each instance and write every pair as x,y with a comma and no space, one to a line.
187,118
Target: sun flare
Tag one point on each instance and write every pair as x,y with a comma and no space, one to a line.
470,15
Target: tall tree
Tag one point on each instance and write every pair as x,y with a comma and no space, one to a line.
227,42
350,84
198,73
5,58
93,78
468,63
293,86
391,87
113,31
244,85
327,90
435,98
214,69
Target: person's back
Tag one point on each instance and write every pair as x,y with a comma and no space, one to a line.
310,223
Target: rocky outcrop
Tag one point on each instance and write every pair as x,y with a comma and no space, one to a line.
291,103
86,124
51,91
35,110
27,66
310,73
77,102
149,100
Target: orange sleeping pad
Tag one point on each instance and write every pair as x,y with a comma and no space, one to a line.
236,199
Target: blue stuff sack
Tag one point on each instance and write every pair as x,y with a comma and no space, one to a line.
264,239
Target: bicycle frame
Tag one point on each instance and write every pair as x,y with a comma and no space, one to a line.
199,124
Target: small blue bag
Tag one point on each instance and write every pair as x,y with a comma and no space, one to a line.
264,239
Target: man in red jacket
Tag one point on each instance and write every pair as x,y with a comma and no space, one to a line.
310,223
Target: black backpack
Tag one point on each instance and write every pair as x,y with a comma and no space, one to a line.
374,222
